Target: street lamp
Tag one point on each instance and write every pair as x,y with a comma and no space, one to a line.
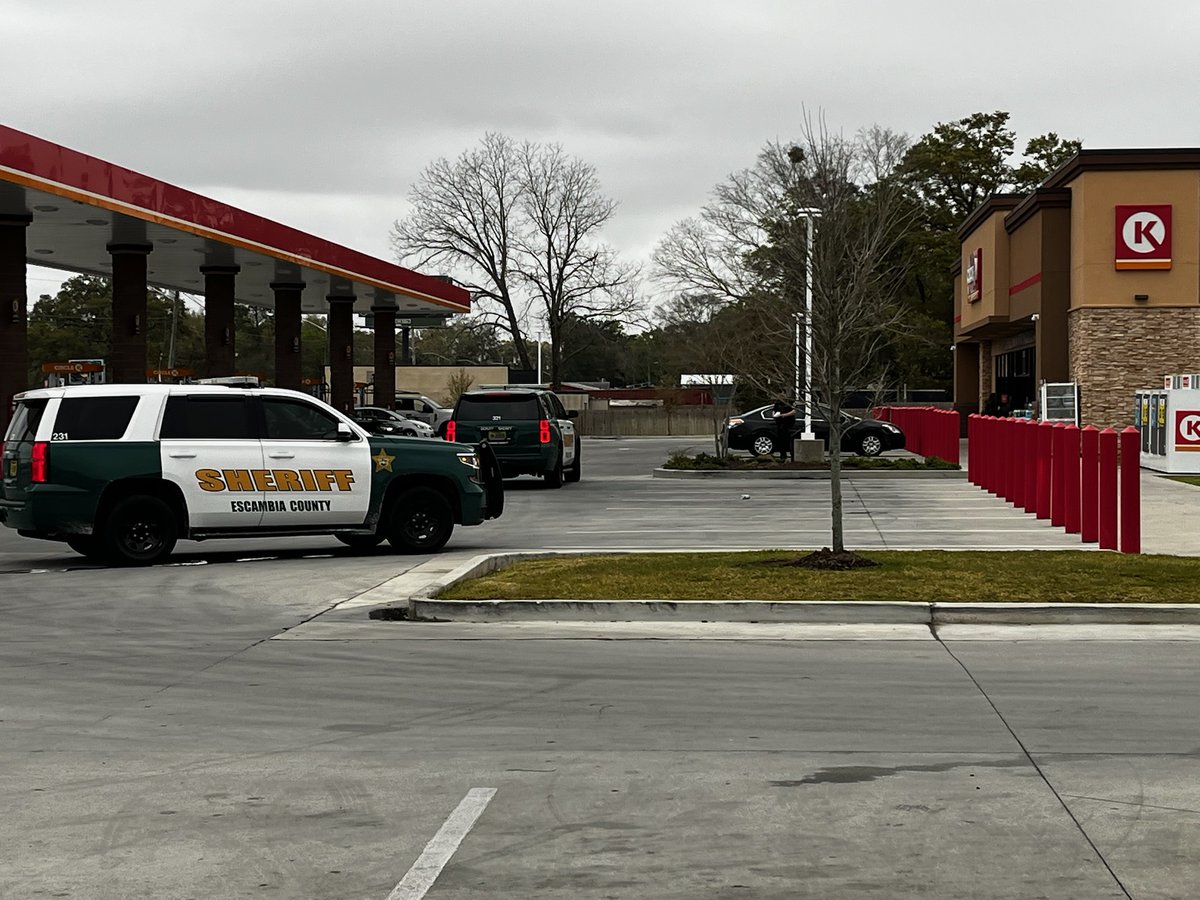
810,214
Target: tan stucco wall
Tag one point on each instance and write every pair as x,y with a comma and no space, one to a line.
991,236
1095,282
1024,262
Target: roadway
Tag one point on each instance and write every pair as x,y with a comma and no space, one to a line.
178,732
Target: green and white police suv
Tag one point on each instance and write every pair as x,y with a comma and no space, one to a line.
121,472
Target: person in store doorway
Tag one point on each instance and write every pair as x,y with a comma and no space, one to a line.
784,415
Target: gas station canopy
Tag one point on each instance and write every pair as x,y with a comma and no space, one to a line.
80,206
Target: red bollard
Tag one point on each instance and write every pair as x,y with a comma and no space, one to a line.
1071,477
991,482
1131,484
1045,432
1089,487
1108,489
1029,461
954,434
1058,479
971,444
1002,454
1016,471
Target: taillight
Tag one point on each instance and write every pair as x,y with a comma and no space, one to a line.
40,469
451,431
544,431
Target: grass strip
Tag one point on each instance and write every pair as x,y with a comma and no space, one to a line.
1058,576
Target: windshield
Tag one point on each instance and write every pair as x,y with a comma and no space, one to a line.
24,424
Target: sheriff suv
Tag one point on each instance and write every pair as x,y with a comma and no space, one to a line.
527,428
121,472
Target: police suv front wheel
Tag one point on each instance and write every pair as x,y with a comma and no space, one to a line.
421,521
139,531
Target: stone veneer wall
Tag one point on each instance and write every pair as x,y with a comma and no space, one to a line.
1114,352
985,373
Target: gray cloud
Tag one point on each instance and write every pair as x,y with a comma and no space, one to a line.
321,114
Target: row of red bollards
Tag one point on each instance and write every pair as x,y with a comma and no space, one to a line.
1063,473
927,431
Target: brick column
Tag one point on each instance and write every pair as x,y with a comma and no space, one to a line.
966,379
220,349
341,353
385,356
126,363
287,333
14,334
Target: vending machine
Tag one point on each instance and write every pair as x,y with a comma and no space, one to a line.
1169,423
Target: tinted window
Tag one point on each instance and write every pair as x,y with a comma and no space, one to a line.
498,407
207,418
93,418
556,406
405,403
295,420
24,424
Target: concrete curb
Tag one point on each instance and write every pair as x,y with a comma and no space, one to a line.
425,605
813,474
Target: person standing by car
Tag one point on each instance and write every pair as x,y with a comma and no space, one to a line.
784,415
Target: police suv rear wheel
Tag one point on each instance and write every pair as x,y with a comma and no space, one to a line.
421,521
139,531
360,541
576,471
554,478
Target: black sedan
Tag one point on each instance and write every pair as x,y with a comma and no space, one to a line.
755,431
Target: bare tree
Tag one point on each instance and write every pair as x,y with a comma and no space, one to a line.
750,250
570,273
520,225
464,223
855,262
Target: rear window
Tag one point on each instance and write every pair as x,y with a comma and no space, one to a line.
24,424
93,418
193,418
497,407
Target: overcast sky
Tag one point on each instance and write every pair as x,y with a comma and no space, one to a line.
321,114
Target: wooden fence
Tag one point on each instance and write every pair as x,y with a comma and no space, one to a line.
648,421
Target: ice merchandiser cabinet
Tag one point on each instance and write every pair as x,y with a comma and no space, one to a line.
1169,423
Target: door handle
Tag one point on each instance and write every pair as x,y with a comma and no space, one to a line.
182,454
281,454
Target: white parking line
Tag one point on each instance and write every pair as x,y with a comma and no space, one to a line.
424,872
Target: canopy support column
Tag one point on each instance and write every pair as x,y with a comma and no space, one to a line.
126,362
14,328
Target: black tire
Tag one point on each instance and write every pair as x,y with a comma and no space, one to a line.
139,531
421,520
870,445
86,545
360,541
554,478
576,471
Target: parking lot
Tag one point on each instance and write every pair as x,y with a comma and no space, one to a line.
179,731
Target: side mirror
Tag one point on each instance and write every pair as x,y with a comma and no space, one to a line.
572,414
344,432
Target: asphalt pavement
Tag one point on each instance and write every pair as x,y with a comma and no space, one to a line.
189,730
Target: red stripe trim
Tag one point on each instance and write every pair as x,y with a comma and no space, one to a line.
1027,283
69,173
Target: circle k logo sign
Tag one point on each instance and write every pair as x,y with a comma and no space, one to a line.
1187,429
1143,237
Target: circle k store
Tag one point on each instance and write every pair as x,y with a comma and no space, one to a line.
1094,278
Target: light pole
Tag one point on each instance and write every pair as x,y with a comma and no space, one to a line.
810,215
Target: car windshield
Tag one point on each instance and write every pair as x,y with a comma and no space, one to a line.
498,407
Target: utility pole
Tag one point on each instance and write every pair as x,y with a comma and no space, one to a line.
174,331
